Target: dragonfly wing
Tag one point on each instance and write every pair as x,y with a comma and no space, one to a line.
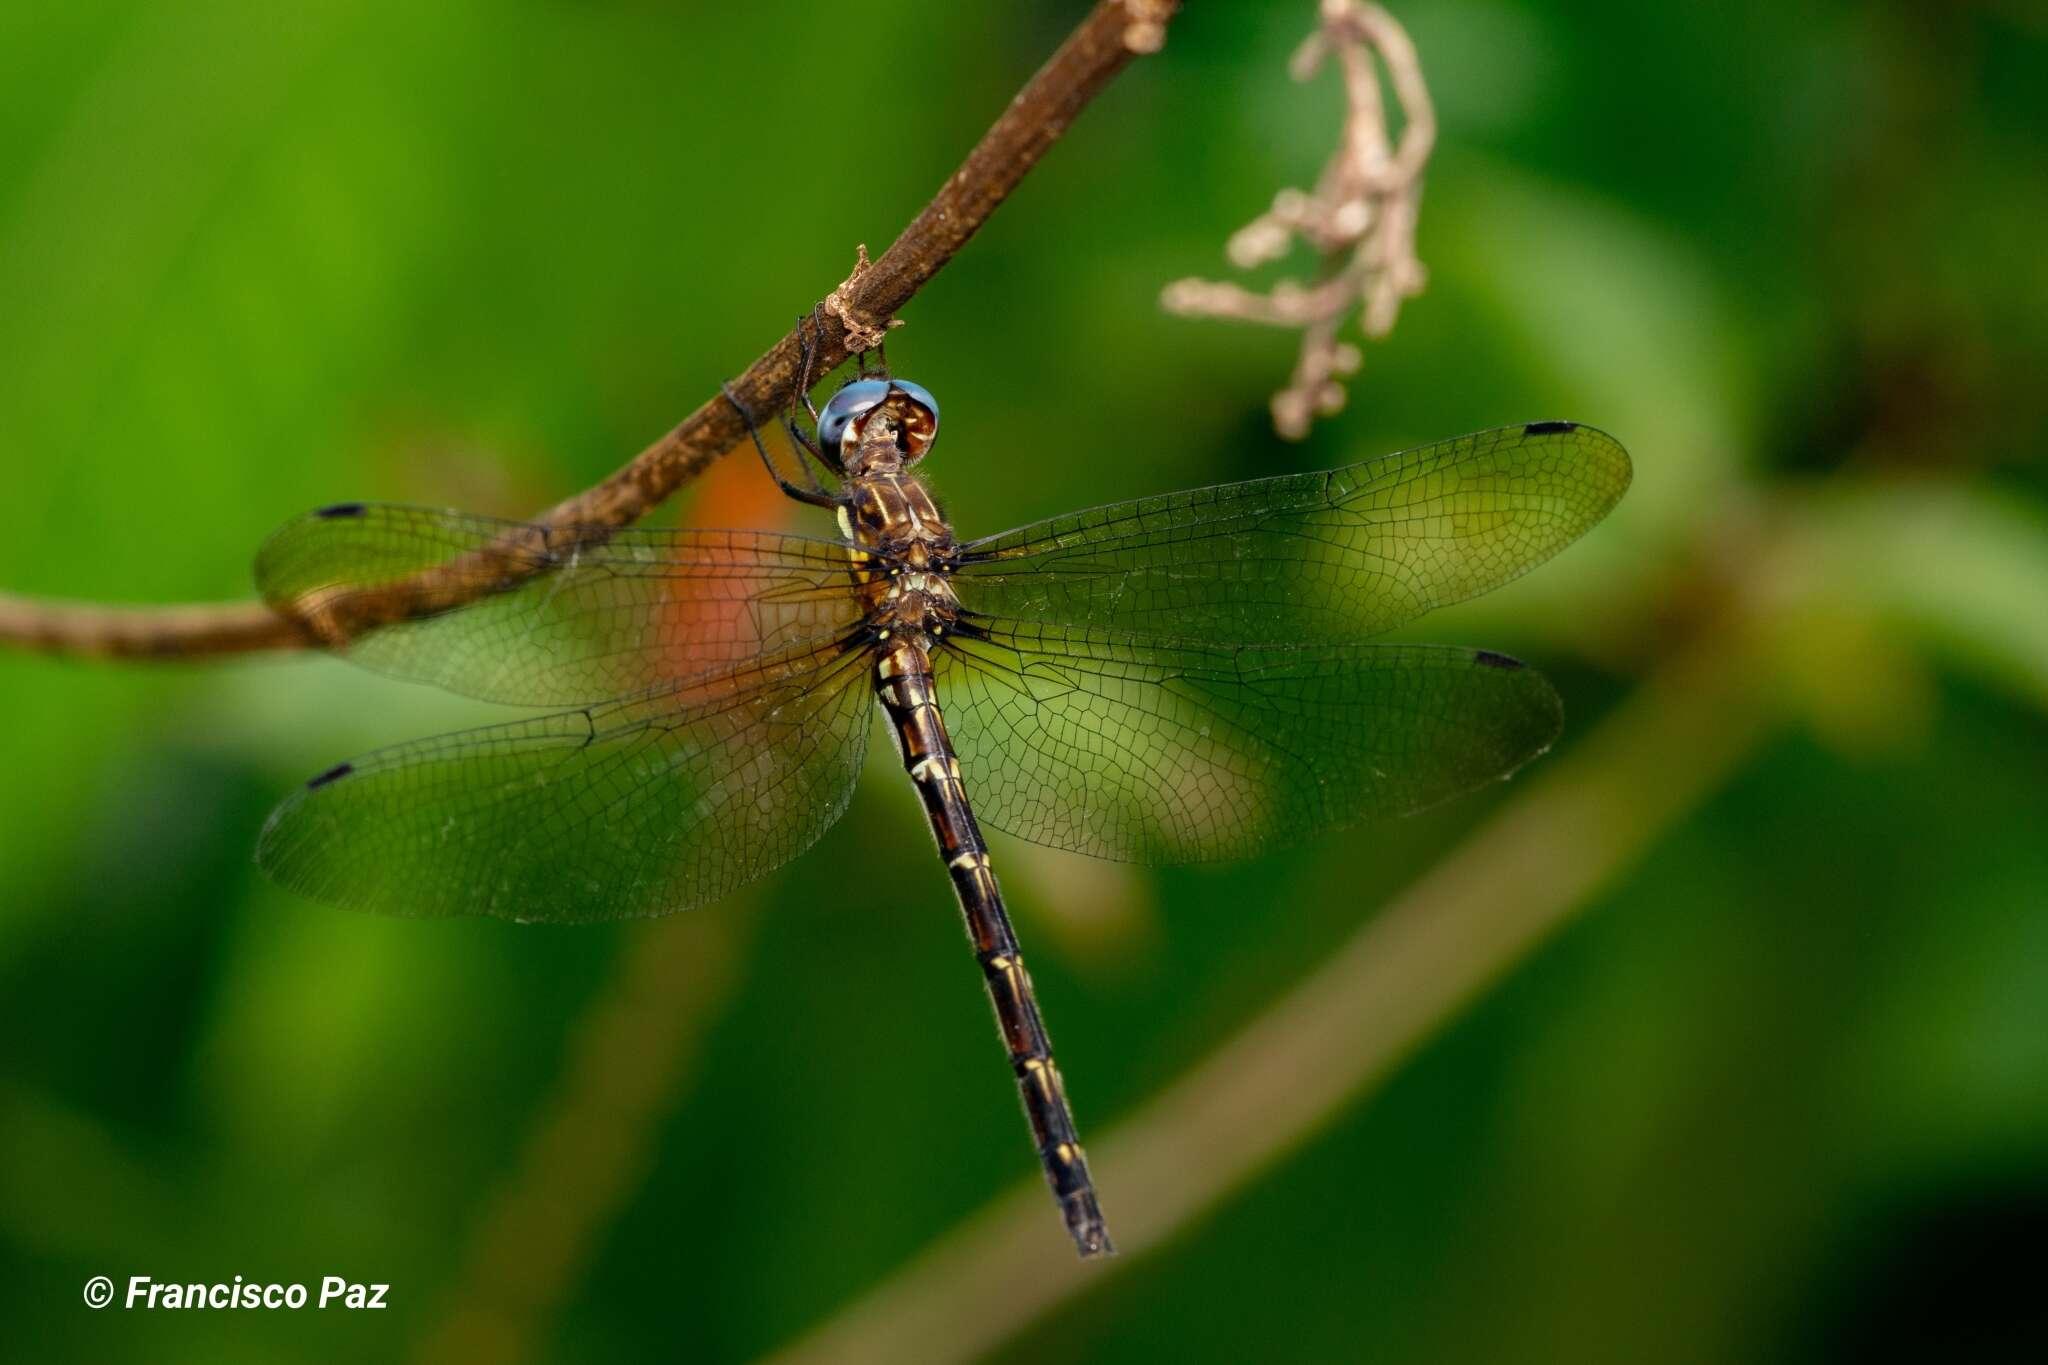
558,616
637,807
1144,751
1328,557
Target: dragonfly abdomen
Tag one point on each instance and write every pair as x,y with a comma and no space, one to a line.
903,681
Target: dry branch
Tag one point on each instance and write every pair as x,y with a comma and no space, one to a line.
1114,32
1359,219
629,1059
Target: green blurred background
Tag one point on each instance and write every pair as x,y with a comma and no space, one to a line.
1777,1091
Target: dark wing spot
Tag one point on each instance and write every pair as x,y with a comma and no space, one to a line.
333,774
342,509
1492,660
1549,428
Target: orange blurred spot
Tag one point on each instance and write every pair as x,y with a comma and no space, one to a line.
716,626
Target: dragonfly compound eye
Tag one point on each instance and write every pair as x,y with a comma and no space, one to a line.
844,419
918,416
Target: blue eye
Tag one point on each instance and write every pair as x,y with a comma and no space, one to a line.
863,396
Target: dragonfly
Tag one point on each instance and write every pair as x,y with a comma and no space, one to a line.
1181,678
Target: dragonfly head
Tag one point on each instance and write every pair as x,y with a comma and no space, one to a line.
881,415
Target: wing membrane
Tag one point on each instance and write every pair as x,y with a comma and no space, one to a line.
1154,752
638,807
566,615
1322,558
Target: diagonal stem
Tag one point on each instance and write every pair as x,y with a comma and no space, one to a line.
1113,33
1564,837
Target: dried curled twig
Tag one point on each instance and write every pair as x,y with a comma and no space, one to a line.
1360,218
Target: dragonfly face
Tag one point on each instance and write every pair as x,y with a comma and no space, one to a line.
877,426
1180,678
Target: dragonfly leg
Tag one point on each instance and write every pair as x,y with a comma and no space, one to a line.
809,354
815,495
800,392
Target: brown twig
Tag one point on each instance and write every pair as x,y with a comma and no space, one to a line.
1360,218
1099,48
195,630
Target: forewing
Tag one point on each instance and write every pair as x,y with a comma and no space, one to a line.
1329,557
558,616
1150,752
638,807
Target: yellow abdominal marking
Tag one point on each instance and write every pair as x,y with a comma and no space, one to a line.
925,768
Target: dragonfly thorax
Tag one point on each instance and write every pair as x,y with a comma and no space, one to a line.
915,603
909,545
893,515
